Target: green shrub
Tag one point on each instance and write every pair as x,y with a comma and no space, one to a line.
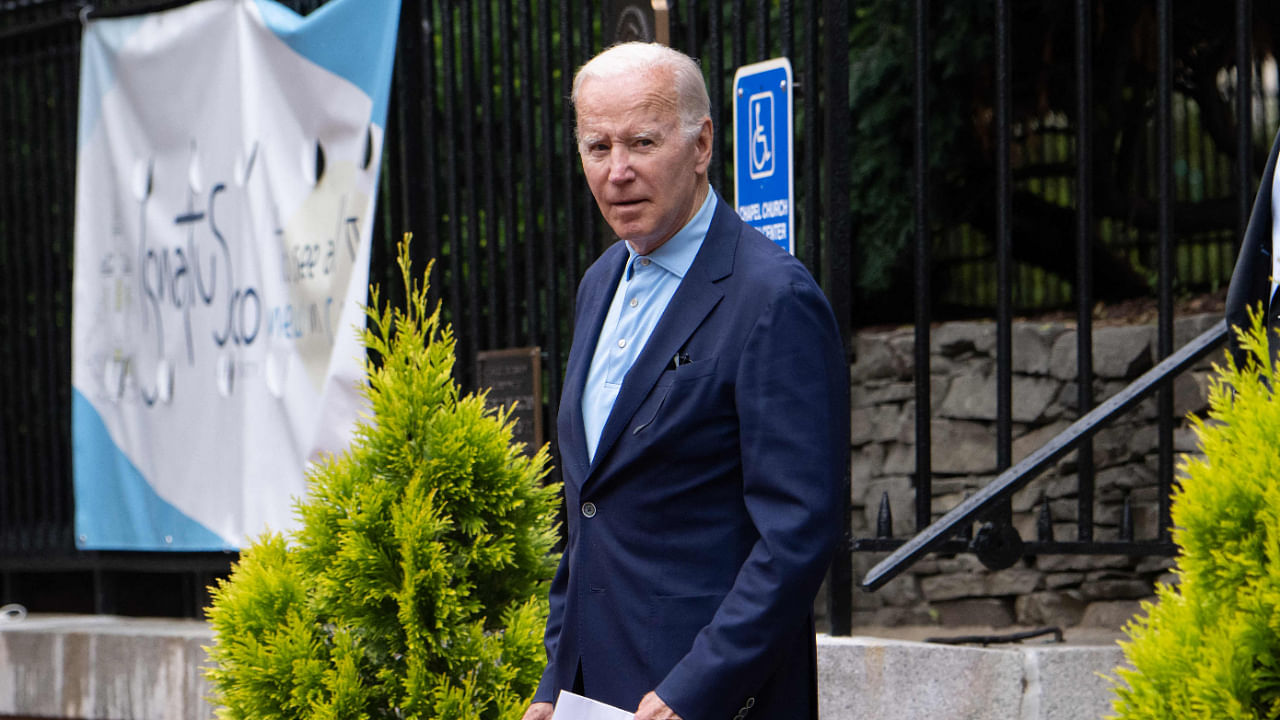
416,584
1210,647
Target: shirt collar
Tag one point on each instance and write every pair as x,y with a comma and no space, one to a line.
676,255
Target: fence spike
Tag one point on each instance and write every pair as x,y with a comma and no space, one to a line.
965,532
1044,522
1126,521
884,520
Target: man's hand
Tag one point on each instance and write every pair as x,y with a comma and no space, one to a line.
652,708
539,711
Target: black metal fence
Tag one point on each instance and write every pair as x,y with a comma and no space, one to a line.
950,158
996,542
479,165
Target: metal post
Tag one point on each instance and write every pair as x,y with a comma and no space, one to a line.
546,157
409,98
449,73
836,273
811,147
692,37
1164,120
490,273
8,306
429,200
511,259
1244,113
468,221
1004,244
29,229
923,263
718,172
587,212
737,21
533,309
785,30
1084,259
762,30
568,241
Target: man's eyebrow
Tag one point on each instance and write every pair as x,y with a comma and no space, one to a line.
591,138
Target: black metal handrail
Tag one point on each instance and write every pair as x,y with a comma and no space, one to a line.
941,533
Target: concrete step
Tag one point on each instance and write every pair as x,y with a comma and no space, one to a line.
866,678
139,669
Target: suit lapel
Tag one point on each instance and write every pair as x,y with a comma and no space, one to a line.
692,302
586,332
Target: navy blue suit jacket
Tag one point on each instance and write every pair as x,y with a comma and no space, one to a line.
698,536
1251,278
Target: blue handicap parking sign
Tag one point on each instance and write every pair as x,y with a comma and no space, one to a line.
762,130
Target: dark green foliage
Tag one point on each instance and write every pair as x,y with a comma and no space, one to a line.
416,585
1210,647
962,112
882,95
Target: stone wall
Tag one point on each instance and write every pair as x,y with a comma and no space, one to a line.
1048,590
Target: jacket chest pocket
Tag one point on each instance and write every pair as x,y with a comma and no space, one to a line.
672,385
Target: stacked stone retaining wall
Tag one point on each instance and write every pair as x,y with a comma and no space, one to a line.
1070,590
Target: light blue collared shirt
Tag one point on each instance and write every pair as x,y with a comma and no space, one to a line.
645,289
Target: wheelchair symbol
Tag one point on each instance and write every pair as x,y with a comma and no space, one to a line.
761,140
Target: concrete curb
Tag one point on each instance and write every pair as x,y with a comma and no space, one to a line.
140,669
862,678
104,667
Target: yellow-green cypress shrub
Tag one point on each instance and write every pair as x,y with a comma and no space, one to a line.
1210,647
416,584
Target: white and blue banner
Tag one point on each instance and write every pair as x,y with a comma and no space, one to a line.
227,168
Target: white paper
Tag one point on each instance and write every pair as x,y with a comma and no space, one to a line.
570,706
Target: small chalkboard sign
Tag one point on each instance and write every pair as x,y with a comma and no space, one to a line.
514,376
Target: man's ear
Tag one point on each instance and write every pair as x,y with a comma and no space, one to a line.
702,145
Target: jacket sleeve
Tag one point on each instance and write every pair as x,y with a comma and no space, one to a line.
1251,278
548,687
792,399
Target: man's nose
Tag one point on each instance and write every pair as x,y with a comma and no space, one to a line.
620,169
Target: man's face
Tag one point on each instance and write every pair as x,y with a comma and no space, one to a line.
646,177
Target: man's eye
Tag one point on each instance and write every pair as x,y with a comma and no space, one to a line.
644,142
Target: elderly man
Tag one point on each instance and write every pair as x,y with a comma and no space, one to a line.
703,428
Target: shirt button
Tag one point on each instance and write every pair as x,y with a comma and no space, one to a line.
588,509
644,262
622,343
634,302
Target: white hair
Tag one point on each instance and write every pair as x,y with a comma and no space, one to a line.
639,58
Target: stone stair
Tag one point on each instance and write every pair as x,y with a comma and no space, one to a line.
873,678
142,669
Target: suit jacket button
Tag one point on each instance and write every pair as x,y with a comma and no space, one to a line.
588,509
